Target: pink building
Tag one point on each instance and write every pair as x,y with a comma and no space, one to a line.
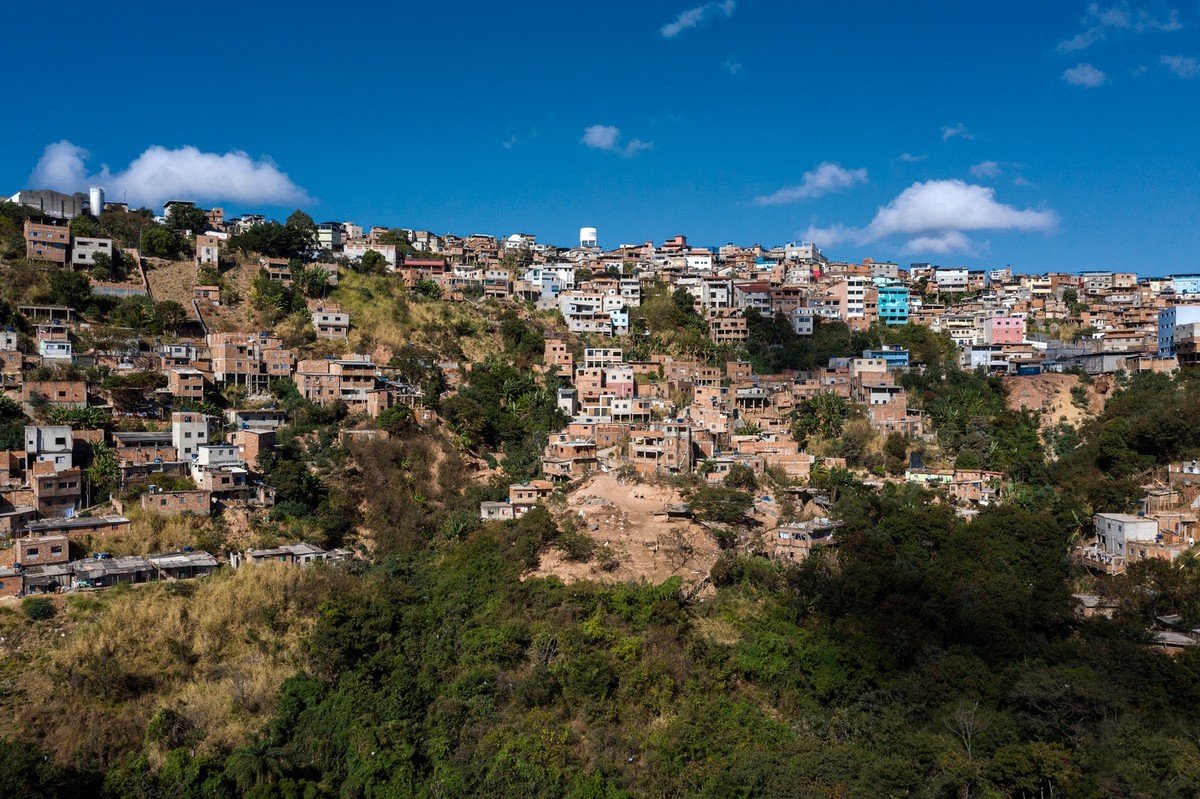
1004,330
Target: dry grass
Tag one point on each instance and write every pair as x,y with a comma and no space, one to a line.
384,317
153,532
171,280
215,651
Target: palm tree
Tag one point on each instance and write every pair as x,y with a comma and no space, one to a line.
257,763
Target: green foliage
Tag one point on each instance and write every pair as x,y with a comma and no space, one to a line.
38,608
523,340
396,421
720,504
970,414
70,288
895,450
12,424
12,221
823,414
86,227
125,228
272,240
372,263
740,478
774,346
273,299
303,223
428,288
160,242
502,408
187,218
311,281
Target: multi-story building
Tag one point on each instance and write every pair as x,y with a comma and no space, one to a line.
47,242
55,493
189,432
84,251
185,382
728,330
1002,330
208,249
253,360
329,319
350,380
892,304
355,250
1171,318
54,204
52,444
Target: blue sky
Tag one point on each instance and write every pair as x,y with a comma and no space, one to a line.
959,133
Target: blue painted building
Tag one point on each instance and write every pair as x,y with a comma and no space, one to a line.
894,357
893,305
1186,284
1168,320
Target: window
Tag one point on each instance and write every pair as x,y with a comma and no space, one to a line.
56,550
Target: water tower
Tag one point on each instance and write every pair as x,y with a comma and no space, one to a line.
588,238
96,201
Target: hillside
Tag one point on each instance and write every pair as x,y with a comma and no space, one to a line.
1061,398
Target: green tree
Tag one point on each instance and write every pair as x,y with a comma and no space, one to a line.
86,227
895,450
740,478
169,315
302,222
272,240
103,472
187,218
372,263
720,504
159,242
428,288
311,281
824,414
126,227
70,288
397,420
102,266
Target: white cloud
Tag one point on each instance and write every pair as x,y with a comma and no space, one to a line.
693,17
909,158
830,236
1183,66
1085,75
1098,21
733,66
986,169
508,143
944,205
601,137
941,243
825,178
161,174
933,216
608,139
960,130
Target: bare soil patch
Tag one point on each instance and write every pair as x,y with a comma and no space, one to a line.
632,536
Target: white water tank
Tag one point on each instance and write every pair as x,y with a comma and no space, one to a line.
96,201
588,237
